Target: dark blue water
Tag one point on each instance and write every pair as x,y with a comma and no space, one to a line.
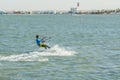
83,47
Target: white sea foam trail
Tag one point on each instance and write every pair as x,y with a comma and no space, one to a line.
23,57
38,55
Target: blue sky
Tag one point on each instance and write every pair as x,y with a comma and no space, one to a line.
58,4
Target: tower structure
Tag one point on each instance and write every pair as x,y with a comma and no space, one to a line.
77,4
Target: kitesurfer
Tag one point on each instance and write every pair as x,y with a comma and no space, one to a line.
41,42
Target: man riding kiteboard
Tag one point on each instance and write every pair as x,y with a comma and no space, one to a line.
41,42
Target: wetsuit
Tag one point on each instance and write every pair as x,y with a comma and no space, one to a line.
38,41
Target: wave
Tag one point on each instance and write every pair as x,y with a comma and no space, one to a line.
38,55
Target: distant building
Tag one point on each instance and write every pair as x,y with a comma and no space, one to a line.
73,10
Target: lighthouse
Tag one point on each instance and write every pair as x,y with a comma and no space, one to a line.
77,4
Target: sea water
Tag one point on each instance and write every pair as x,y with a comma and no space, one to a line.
83,47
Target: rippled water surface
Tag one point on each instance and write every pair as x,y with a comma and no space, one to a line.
83,47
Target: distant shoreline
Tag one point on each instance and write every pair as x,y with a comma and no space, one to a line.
72,11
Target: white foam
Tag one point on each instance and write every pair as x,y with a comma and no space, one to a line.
38,56
55,51
23,57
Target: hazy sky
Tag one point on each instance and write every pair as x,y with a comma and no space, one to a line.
58,4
